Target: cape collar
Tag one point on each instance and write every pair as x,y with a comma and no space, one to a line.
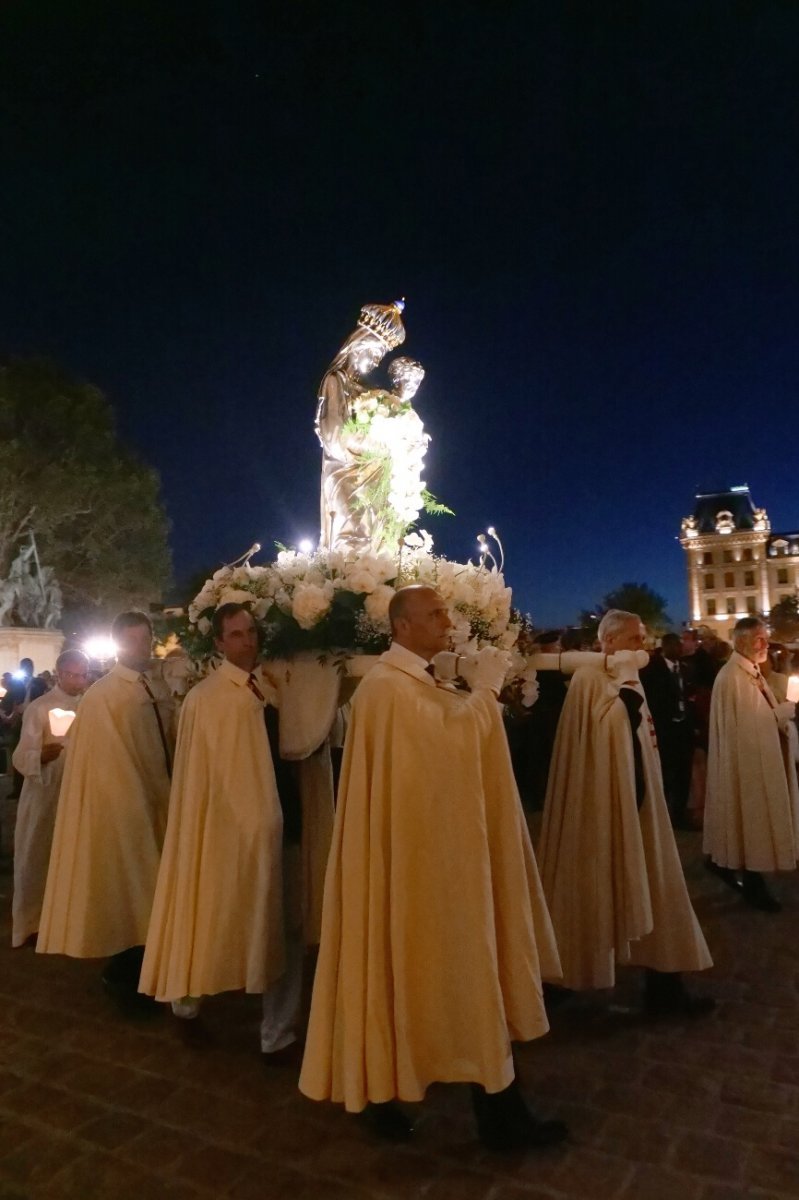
233,673
123,672
740,660
407,661
60,699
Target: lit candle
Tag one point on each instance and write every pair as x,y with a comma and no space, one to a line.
793,689
60,721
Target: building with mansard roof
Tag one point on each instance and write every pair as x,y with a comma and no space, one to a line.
737,566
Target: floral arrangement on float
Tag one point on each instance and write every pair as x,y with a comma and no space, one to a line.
334,601
336,604
389,438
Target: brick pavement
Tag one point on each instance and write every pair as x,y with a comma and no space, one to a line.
94,1106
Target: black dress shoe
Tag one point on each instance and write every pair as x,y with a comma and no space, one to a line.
286,1056
533,1134
505,1124
725,874
388,1121
757,895
767,903
665,996
555,996
686,1006
130,1002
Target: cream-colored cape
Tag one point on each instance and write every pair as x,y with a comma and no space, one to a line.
33,833
434,931
110,821
217,921
752,805
611,874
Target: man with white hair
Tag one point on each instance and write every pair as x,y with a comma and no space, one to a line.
752,804
609,864
39,758
435,934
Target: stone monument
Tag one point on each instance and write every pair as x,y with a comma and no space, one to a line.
30,609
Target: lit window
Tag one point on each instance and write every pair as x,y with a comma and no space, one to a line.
751,604
731,607
711,608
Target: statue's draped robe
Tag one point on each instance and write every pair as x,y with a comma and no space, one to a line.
33,833
346,519
435,934
752,802
217,921
110,822
611,873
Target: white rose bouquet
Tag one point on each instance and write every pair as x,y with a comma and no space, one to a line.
338,604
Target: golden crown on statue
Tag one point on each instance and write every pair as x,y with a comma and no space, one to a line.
385,322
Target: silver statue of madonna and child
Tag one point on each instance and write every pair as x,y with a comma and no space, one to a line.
373,441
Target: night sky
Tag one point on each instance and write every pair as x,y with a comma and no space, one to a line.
591,210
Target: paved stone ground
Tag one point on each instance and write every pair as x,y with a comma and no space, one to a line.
94,1106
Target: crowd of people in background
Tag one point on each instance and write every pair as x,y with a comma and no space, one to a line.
678,682
173,849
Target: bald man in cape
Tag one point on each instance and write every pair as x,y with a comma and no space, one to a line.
435,933
609,864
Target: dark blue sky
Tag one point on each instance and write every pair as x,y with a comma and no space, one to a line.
592,214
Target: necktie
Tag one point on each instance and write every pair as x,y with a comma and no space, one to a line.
165,745
678,686
761,683
252,684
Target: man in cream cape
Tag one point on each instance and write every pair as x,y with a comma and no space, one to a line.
39,758
217,920
752,805
112,815
435,934
609,864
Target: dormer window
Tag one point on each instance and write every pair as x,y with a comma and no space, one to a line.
724,521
